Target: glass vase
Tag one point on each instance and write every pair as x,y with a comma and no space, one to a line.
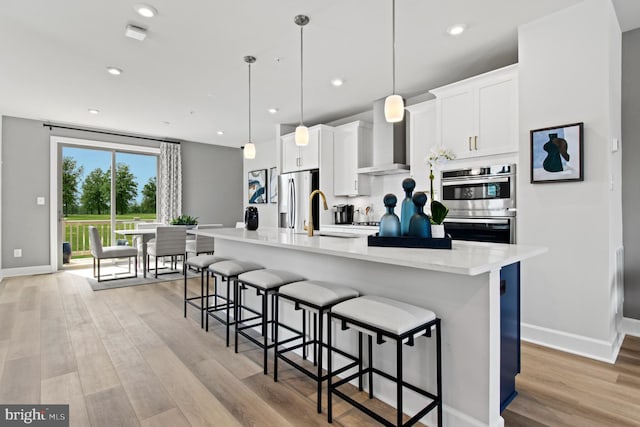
408,208
420,224
389,223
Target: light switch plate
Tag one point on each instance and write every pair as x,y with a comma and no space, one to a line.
615,145
40,200
17,253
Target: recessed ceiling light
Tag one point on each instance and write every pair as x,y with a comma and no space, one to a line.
337,82
272,110
456,29
145,10
93,111
115,71
220,132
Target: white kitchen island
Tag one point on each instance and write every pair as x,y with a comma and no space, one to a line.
462,286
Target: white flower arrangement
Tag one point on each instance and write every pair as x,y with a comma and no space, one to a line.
436,157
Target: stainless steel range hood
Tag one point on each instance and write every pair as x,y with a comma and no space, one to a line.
389,145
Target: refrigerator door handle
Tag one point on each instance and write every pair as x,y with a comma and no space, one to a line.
293,203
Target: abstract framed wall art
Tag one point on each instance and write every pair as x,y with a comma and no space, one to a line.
273,185
557,154
258,186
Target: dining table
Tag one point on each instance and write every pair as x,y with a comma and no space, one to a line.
146,234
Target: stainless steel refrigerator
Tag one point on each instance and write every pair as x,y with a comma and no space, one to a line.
294,189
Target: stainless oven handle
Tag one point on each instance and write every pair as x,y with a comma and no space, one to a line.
478,221
475,181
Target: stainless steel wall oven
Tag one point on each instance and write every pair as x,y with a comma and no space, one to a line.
482,203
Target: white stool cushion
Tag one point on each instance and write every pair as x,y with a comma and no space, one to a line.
267,278
203,261
233,268
384,313
118,251
318,293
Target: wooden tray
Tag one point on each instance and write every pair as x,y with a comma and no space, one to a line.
409,242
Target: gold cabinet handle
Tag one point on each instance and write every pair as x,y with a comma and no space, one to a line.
469,143
475,142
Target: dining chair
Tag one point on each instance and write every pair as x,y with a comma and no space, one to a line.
171,240
202,244
100,252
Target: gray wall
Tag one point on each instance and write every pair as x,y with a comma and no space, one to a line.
630,171
212,185
25,176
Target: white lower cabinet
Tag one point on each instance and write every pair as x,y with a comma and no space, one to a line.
352,150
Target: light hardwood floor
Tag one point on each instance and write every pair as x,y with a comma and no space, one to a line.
127,357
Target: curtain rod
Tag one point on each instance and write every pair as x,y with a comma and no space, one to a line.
51,126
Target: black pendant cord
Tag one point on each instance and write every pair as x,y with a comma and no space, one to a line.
393,45
301,74
249,102
103,132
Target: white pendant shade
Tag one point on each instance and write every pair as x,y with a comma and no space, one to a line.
302,135
250,151
394,108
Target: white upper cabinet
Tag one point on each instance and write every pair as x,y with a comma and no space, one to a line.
352,150
296,158
422,138
479,116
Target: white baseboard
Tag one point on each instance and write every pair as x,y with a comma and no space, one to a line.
26,271
571,343
453,417
630,326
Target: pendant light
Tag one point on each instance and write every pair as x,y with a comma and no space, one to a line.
394,104
302,132
249,147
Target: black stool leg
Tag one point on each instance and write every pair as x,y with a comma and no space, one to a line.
237,306
399,380
215,297
329,374
439,372
359,359
265,337
203,305
185,294
275,337
304,334
319,360
228,302
315,339
370,345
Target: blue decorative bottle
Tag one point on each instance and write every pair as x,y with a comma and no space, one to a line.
420,225
408,207
389,223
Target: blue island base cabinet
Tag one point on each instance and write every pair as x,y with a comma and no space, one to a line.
509,332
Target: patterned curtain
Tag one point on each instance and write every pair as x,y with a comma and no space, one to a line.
170,182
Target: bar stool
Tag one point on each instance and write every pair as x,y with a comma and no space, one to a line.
386,318
201,263
266,283
228,271
317,297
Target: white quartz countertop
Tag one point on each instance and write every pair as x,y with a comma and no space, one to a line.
467,258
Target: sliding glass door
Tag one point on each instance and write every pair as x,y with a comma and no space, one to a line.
109,189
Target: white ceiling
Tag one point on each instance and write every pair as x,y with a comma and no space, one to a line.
190,71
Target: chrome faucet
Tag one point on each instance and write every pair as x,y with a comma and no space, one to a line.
309,225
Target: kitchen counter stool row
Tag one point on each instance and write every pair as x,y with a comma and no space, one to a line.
377,317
